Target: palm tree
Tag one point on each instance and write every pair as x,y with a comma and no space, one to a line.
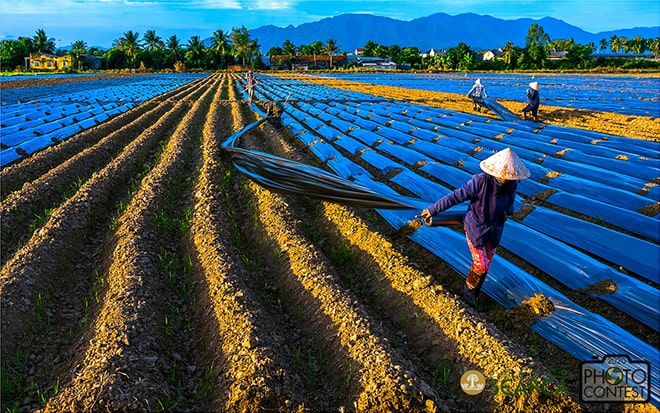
174,46
331,48
654,46
129,44
638,45
625,44
195,51
254,49
154,45
315,49
220,43
42,43
243,46
153,41
508,53
289,48
79,47
615,44
603,44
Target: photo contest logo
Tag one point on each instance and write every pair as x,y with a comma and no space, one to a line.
615,378
473,382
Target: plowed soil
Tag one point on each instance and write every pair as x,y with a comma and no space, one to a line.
142,272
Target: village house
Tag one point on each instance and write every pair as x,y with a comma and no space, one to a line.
433,52
489,55
557,54
92,62
47,62
377,64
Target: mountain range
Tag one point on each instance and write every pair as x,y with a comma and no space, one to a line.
438,31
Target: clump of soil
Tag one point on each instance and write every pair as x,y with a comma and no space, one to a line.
604,287
408,229
534,307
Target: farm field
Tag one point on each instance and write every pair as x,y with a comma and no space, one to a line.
142,271
628,95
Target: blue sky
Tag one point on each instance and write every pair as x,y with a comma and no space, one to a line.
100,22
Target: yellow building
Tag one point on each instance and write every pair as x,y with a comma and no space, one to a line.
48,62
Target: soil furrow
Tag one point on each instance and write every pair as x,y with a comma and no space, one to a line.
14,176
400,288
252,376
378,376
21,209
62,245
479,343
125,364
165,280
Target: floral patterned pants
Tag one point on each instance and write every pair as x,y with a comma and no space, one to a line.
481,256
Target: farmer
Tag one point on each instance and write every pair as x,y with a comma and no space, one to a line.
478,94
533,101
251,83
491,195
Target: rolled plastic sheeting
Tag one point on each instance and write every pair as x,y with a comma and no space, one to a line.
286,176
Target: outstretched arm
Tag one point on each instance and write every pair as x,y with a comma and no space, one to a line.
466,192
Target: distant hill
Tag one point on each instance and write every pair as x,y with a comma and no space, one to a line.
439,31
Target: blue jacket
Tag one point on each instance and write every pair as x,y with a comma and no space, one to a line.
490,202
533,98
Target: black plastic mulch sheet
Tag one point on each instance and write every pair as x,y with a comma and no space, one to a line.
287,176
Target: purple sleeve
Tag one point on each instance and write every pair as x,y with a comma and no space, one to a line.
462,194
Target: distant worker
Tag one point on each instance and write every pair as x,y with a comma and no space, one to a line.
478,94
251,83
533,101
491,195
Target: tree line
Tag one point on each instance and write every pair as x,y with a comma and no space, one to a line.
151,52
534,56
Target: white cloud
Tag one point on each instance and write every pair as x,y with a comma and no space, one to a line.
219,4
267,4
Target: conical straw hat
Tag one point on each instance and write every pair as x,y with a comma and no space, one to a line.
505,164
534,85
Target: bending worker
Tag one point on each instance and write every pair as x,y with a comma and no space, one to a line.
533,101
491,195
478,94
251,83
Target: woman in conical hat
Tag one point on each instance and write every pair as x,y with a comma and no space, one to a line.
491,195
478,94
533,101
